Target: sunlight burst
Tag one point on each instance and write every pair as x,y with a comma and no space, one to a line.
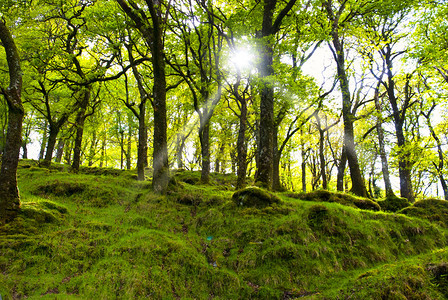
242,58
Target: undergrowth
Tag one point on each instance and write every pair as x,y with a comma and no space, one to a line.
102,234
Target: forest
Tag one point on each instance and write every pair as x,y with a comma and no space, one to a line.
194,116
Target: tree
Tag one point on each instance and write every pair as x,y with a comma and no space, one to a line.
338,17
152,30
9,193
269,28
199,67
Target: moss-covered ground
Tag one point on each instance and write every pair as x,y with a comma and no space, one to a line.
100,234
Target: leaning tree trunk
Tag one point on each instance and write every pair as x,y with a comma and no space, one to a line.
9,193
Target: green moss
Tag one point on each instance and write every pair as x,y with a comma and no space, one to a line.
393,203
254,197
434,210
341,198
196,242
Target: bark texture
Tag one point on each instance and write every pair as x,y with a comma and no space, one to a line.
9,193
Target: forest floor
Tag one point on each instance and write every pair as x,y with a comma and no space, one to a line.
101,234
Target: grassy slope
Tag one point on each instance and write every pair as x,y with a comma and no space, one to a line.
101,234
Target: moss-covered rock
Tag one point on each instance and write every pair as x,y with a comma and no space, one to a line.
434,210
254,197
189,199
394,203
341,198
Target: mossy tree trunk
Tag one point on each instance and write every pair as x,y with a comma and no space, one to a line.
270,26
9,193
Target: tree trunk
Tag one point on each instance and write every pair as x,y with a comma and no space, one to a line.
404,165
269,28
103,152
9,193
51,143
44,141
179,150
142,151
303,165
79,123
219,163
341,170
204,138
266,128
24,150
160,155
276,185
381,146
358,185
440,166
92,151
60,150
129,146
68,152
242,146
323,172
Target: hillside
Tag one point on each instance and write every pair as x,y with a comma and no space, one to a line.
100,234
